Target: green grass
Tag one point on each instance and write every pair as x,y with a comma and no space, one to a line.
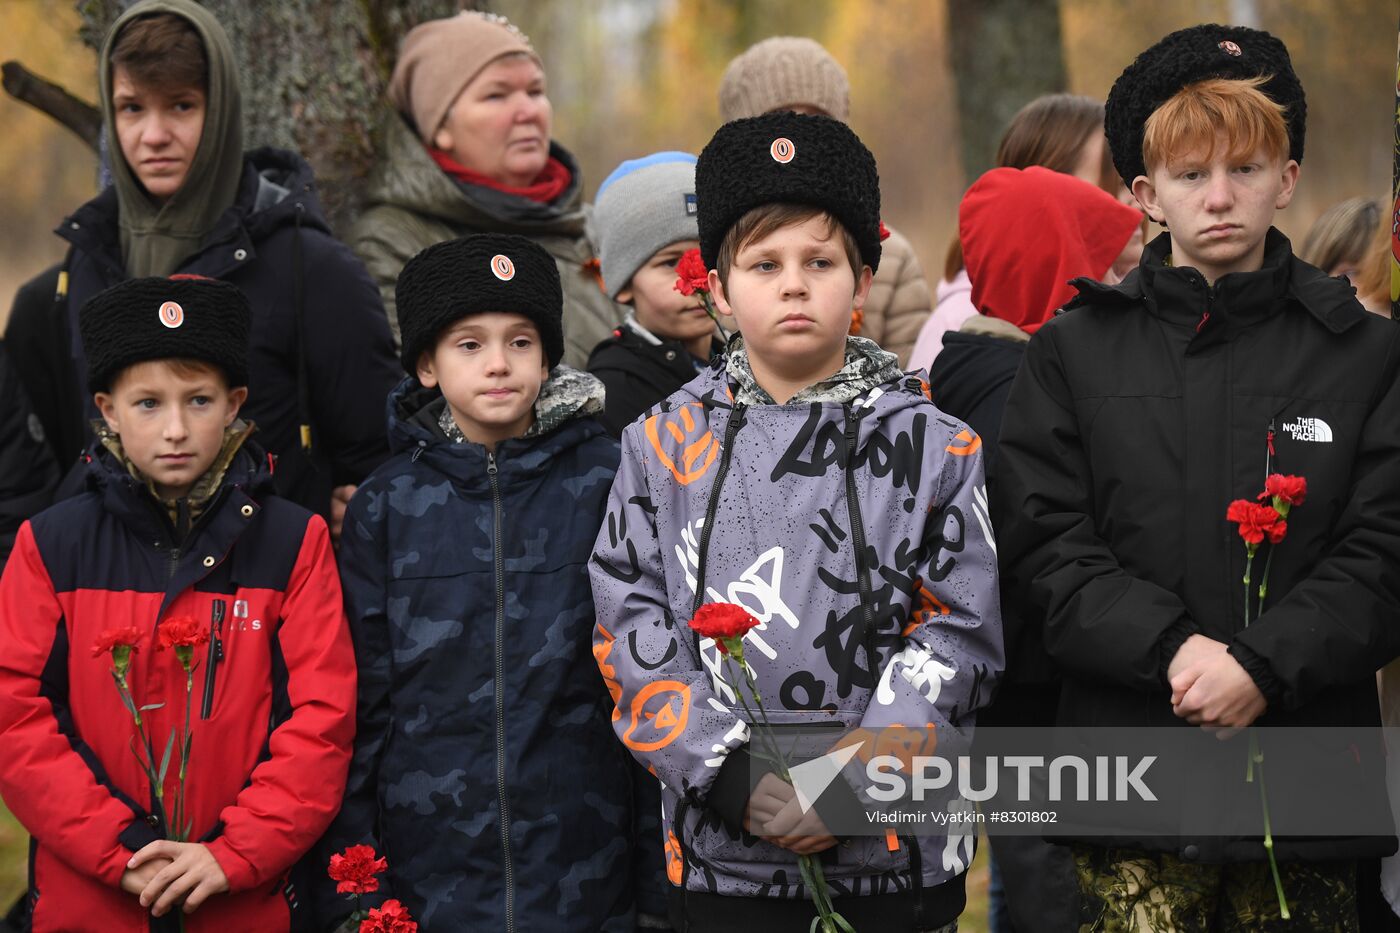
14,859
974,918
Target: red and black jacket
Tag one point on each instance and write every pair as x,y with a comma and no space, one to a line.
271,743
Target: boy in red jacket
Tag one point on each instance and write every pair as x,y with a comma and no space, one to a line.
176,525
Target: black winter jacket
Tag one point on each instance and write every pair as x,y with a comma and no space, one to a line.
28,474
971,380
1139,413
313,306
638,373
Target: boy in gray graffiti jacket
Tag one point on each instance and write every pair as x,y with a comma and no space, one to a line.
804,476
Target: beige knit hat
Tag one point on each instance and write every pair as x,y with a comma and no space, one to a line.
784,71
441,57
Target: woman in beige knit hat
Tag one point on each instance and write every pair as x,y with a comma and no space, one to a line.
793,73
469,150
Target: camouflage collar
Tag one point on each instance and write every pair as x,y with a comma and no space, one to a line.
866,367
565,395
204,489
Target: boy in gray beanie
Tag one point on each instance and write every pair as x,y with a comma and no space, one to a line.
795,73
643,222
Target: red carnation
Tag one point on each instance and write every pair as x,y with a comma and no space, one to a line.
1256,522
393,917
691,274
724,622
1286,489
355,869
125,636
884,232
181,632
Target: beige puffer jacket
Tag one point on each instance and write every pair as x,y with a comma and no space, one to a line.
899,301
413,204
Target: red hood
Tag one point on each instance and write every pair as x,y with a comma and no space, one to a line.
1027,232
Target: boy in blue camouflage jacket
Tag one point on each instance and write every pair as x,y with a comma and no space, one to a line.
484,769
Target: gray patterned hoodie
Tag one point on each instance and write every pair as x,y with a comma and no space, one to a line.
723,491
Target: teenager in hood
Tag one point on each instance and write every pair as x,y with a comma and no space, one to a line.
186,198
469,151
1021,274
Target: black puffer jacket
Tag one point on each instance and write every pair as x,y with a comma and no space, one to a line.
638,373
971,379
27,471
1138,415
313,306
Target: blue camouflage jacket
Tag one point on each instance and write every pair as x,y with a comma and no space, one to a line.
485,768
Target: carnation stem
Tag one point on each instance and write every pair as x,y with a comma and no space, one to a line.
1256,754
1248,565
1269,847
808,866
1264,583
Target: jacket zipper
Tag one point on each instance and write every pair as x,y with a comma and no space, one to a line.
916,878
216,654
731,430
858,542
178,533
500,566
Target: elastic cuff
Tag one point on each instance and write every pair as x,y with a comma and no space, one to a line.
1259,671
138,834
1170,643
734,785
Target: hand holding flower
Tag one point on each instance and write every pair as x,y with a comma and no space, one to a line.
1193,650
803,833
1221,696
193,876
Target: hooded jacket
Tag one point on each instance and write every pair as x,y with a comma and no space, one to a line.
768,505
484,769
272,720
1021,274
412,204
155,238
313,307
1138,415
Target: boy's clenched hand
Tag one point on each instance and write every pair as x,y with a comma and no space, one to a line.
192,875
134,880
1217,694
775,814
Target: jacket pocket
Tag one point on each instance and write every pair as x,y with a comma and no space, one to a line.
797,736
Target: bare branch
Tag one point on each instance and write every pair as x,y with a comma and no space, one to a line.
78,115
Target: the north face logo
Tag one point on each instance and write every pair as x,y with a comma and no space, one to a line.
1309,429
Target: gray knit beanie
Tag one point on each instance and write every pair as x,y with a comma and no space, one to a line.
784,71
643,207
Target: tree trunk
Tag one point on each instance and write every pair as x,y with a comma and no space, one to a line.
313,74
1005,53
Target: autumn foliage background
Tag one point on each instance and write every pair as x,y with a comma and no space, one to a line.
628,77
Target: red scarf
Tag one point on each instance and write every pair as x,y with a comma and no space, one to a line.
551,182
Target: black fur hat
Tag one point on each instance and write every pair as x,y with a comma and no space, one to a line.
183,317
1188,56
487,272
787,157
